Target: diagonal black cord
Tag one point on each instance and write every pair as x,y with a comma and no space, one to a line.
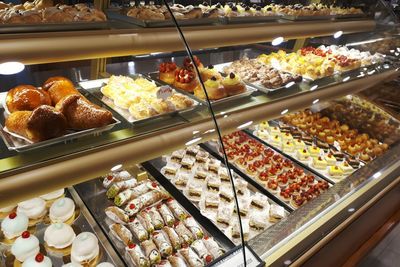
188,50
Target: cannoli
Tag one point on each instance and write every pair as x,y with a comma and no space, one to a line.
162,244
131,193
156,218
121,233
176,209
194,227
115,177
184,234
145,200
166,214
137,256
191,257
146,221
176,261
172,237
151,252
213,247
138,230
120,186
201,250
117,215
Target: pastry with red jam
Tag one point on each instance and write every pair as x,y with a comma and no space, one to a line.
167,72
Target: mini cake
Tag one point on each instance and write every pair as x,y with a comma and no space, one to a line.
314,151
53,195
14,224
302,155
319,163
59,235
34,208
38,260
25,246
335,171
85,248
62,210
330,159
288,147
233,85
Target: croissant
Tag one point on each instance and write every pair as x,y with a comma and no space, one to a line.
81,114
42,123
58,88
26,97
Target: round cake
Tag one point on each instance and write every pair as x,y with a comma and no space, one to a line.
59,235
85,248
14,224
25,246
34,208
61,210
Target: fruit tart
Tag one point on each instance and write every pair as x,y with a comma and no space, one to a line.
186,79
167,72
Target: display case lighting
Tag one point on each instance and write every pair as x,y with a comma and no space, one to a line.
277,41
12,67
337,34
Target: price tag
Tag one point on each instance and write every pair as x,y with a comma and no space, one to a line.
235,259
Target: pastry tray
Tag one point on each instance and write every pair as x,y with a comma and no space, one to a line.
156,166
93,194
117,15
52,27
211,147
249,19
250,90
19,143
94,88
84,222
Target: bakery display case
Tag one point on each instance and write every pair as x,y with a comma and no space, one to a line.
194,134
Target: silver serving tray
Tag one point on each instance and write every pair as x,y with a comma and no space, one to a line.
250,90
117,15
249,19
51,27
96,92
84,222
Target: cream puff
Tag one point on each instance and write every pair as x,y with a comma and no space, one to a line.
14,225
62,210
25,246
34,208
233,84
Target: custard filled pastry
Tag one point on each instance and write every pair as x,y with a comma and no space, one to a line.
81,114
42,123
26,97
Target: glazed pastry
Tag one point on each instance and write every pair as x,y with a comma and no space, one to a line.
117,215
53,195
151,252
167,72
162,244
34,208
138,230
59,87
59,235
43,123
38,260
233,85
14,225
82,114
25,246
214,90
26,98
121,233
85,248
137,256
62,210
186,80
